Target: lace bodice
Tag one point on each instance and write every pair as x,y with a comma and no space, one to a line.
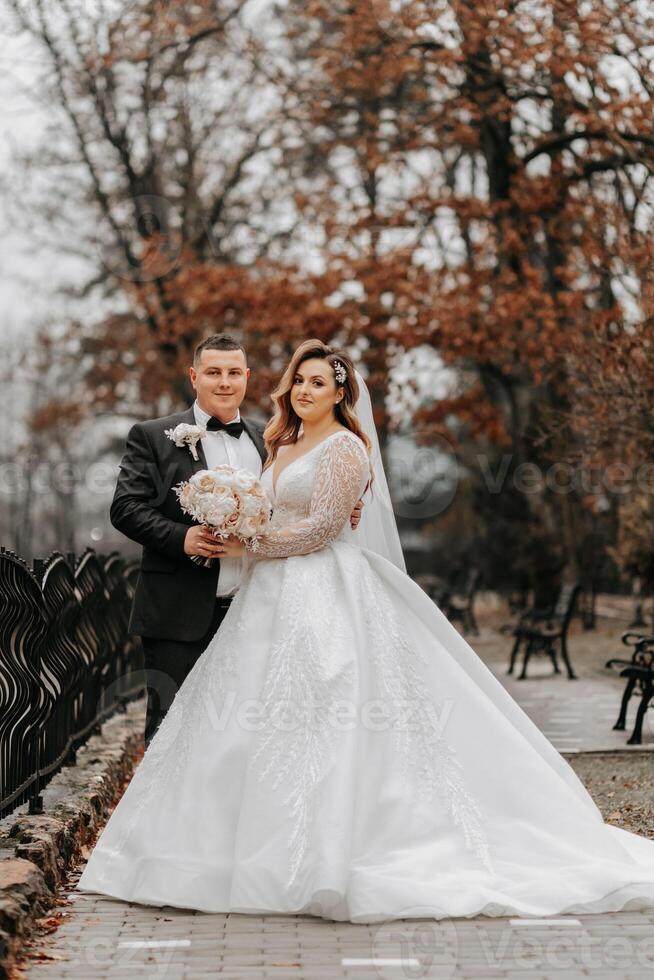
313,497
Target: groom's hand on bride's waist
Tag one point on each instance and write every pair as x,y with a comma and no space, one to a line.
355,516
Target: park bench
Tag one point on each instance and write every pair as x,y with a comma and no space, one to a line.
639,671
539,631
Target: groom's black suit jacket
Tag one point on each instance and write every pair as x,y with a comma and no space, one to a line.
175,597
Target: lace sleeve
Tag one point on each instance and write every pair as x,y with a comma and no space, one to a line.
340,474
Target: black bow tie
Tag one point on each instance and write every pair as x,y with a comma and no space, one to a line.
231,428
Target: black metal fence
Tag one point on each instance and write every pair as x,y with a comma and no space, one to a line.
66,662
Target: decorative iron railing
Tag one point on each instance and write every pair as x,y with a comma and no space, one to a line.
66,663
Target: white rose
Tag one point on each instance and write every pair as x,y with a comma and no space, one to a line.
243,480
250,506
216,507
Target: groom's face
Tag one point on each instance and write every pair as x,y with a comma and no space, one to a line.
220,381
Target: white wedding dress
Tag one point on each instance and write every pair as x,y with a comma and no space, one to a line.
340,750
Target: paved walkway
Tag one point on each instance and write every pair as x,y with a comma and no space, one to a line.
101,938
578,716
575,715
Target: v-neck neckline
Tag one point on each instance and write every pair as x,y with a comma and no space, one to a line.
275,482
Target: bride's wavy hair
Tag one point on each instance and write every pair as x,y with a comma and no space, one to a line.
285,424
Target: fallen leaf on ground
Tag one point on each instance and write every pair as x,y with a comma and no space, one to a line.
50,922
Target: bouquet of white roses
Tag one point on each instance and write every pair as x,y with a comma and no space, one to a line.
228,501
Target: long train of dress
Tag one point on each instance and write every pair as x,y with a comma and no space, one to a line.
340,750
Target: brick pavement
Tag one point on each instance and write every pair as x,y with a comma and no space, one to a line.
102,938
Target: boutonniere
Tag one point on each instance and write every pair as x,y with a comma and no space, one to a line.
187,435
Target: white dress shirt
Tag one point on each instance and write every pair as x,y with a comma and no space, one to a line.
222,449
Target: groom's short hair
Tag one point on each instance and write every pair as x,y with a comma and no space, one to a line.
217,341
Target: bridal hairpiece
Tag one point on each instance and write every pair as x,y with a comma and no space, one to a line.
340,372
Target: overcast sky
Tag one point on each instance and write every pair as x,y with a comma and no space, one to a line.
26,281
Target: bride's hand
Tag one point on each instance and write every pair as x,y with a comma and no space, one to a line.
230,547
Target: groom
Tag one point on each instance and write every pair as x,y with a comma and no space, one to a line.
179,604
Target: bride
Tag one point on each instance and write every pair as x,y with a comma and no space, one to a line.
339,749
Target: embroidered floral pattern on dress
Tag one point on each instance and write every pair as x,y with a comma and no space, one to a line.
309,671
326,491
337,478
429,762
307,668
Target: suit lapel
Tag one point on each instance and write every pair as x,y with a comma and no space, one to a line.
198,464
256,438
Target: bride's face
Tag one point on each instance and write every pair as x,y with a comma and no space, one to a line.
314,393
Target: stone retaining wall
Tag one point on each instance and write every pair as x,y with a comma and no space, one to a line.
37,851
